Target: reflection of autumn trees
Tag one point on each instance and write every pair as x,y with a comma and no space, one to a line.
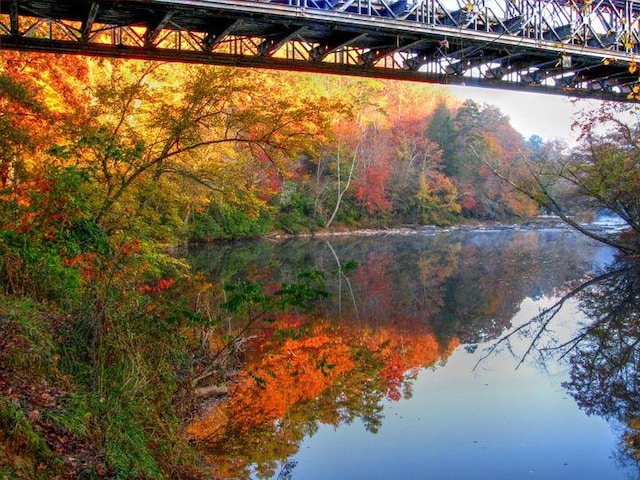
402,352
324,373
465,286
605,356
409,303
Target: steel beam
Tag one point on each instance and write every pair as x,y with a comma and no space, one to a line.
274,42
156,26
216,33
88,22
335,43
13,15
495,43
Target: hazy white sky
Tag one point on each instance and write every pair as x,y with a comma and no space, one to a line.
549,116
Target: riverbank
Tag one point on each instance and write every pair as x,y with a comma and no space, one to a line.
534,223
89,392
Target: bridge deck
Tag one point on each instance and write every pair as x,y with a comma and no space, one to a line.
581,48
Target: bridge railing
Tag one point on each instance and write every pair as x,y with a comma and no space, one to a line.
611,24
605,24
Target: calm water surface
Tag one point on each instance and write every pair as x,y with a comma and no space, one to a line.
391,377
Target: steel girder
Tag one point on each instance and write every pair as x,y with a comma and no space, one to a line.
580,48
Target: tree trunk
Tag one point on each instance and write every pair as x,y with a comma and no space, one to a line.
346,187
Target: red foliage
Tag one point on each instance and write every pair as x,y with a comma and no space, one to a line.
38,208
131,248
86,264
371,191
161,285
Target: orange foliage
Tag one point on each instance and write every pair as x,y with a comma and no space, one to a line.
299,371
37,207
282,374
403,353
288,372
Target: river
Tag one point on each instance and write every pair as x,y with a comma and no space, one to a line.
407,370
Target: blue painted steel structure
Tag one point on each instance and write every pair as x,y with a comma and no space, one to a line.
580,48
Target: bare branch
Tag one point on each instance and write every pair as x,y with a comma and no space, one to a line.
544,318
550,202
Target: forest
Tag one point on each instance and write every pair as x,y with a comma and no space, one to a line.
108,166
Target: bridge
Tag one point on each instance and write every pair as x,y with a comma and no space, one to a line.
581,48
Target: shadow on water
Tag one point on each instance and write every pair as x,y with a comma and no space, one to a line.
410,303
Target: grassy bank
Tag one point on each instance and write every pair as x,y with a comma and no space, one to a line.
89,392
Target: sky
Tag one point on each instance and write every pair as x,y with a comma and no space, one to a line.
549,116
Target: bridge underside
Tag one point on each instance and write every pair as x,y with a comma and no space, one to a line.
562,47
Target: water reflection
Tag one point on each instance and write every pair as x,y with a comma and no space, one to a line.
329,374
407,307
467,285
602,353
605,356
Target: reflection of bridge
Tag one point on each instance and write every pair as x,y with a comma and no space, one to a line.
582,48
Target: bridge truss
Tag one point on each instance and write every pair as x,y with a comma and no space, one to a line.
581,48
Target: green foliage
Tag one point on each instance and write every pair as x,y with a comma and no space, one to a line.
222,221
31,328
295,210
127,440
352,213
250,299
349,267
124,355
37,272
309,287
86,236
442,130
39,233
157,216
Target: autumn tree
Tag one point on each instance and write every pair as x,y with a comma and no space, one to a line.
153,132
472,131
600,175
102,163
503,144
41,196
374,170
420,190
